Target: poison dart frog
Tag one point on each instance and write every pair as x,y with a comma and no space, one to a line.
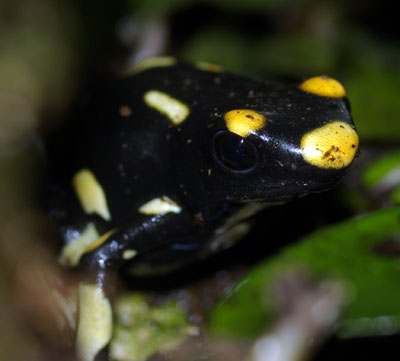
166,164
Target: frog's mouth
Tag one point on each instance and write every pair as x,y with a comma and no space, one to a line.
281,195
265,200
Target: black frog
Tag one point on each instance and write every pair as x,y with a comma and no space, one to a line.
165,165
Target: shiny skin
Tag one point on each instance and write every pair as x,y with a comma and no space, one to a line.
138,154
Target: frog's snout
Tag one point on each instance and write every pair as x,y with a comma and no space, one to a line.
332,146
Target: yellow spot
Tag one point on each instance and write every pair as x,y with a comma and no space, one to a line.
243,122
95,322
203,65
333,145
90,194
129,254
149,63
160,206
99,241
174,109
323,86
72,252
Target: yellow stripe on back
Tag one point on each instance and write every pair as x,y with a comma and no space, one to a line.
90,194
95,321
72,251
159,206
174,109
99,241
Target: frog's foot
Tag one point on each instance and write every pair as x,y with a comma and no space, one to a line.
95,321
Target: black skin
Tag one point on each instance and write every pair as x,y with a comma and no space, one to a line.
143,156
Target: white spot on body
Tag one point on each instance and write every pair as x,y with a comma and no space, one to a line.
174,109
160,206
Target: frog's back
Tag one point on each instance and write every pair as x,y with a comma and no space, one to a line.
204,138
111,134
124,132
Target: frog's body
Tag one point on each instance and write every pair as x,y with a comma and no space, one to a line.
166,165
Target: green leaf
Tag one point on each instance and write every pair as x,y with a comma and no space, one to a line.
395,195
345,251
142,330
374,97
220,46
378,170
295,55
373,83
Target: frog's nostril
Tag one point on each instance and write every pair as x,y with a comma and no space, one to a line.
333,145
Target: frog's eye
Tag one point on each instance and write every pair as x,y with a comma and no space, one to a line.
234,152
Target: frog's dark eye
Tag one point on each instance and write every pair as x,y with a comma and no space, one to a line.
234,152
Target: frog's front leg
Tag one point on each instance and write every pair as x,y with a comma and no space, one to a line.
100,266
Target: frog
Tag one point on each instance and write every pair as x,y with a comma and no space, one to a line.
166,164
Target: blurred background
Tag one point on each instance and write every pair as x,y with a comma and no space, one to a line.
53,49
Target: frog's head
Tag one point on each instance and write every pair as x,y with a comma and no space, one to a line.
283,143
